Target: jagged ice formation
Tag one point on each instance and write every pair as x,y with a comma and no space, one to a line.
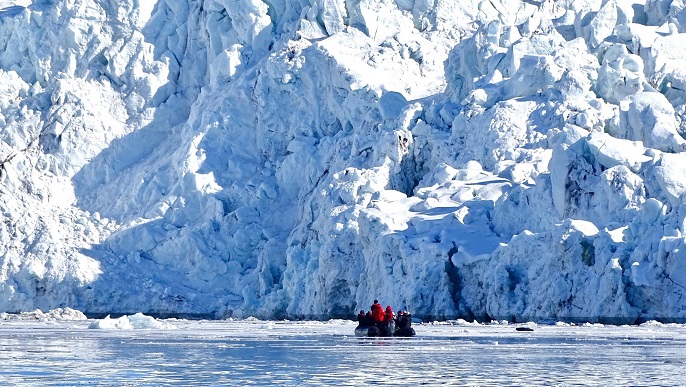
504,159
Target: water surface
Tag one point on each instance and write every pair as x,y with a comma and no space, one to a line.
239,353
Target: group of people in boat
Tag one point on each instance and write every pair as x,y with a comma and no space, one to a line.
380,322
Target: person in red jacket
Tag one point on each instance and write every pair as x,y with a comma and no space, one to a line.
378,313
389,314
389,322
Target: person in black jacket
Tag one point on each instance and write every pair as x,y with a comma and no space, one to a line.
361,318
368,320
404,320
404,325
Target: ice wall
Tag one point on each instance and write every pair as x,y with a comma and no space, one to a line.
502,159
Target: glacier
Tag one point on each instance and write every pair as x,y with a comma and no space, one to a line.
504,159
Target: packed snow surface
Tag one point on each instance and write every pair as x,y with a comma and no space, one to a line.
482,159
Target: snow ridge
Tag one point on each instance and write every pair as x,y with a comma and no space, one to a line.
501,159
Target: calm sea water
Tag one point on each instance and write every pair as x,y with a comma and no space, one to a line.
232,353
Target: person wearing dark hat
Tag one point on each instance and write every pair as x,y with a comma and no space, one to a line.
361,318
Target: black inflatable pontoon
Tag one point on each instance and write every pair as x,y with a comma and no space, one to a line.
373,331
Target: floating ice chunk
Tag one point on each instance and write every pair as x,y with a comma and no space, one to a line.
136,321
65,314
108,323
58,314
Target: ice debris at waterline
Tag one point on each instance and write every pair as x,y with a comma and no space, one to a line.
54,315
504,159
136,321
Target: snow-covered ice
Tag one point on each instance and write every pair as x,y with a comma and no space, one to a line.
481,159
59,314
137,321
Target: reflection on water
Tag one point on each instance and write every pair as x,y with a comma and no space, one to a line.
295,354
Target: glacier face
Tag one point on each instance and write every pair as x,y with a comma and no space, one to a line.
505,159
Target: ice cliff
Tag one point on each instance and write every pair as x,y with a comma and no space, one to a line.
504,159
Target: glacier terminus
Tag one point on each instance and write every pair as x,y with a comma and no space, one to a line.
519,160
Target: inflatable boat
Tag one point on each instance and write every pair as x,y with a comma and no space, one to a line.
373,331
